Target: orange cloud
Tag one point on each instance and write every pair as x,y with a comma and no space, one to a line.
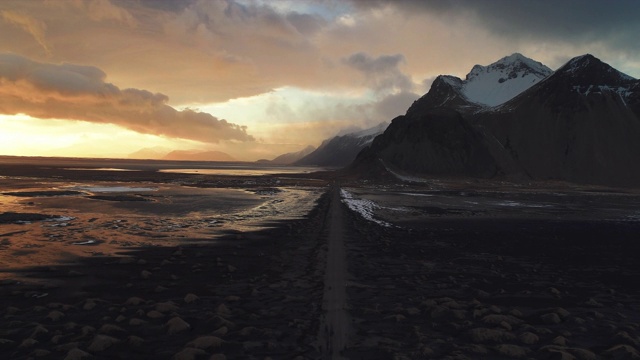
78,92
32,26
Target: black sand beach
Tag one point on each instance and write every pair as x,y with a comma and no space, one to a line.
435,284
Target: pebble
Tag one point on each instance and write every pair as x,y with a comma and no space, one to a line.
55,315
135,340
529,338
110,328
154,314
222,331
77,354
40,352
560,340
167,307
136,322
135,301
176,325
27,343
189,354
102,342
550,318
205,342
89,305
191,298
622,352
510,350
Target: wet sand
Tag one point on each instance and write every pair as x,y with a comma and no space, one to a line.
490,281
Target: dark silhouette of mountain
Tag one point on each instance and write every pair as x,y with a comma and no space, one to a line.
580,123
340,151
290,158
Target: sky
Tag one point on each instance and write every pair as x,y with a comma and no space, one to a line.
259,78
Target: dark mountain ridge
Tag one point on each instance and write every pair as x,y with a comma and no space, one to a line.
341,150
581,123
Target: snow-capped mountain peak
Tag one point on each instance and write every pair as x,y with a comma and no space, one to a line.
499,82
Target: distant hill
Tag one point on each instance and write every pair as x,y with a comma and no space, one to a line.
194,155
516,117
290,158
149,153
340,151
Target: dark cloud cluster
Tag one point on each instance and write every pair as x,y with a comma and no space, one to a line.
582,21
383,72
76,92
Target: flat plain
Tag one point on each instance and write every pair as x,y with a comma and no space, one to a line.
103,263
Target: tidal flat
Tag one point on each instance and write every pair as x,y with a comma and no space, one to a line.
100,264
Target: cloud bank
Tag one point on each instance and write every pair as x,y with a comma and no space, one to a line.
76,92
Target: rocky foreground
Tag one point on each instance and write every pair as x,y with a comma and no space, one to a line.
454,288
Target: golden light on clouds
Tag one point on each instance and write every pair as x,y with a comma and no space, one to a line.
23,135
258,78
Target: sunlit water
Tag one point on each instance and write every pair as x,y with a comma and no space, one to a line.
97,222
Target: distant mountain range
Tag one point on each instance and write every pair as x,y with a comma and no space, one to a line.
188,155
341,150
290,158
518,118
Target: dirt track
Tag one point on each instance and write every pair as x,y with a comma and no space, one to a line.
335,324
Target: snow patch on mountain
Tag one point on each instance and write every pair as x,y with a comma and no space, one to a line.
501,81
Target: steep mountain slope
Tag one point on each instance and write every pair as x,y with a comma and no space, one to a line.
340,151
581,123
290,158
438,142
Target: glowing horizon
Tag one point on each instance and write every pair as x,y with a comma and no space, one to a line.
256,79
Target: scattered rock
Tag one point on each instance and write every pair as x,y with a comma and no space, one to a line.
55,315
110,328
622,352
101,343
154,314
483,335
135,301
135,340
529,338
89,305
223,310
560,340
510,350
189,354
27,343
167,307
551,318
190,298
40,353
77,354
496,319
222,331
136,322
176,325
206,342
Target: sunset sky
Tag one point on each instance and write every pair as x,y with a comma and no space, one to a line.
255,79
